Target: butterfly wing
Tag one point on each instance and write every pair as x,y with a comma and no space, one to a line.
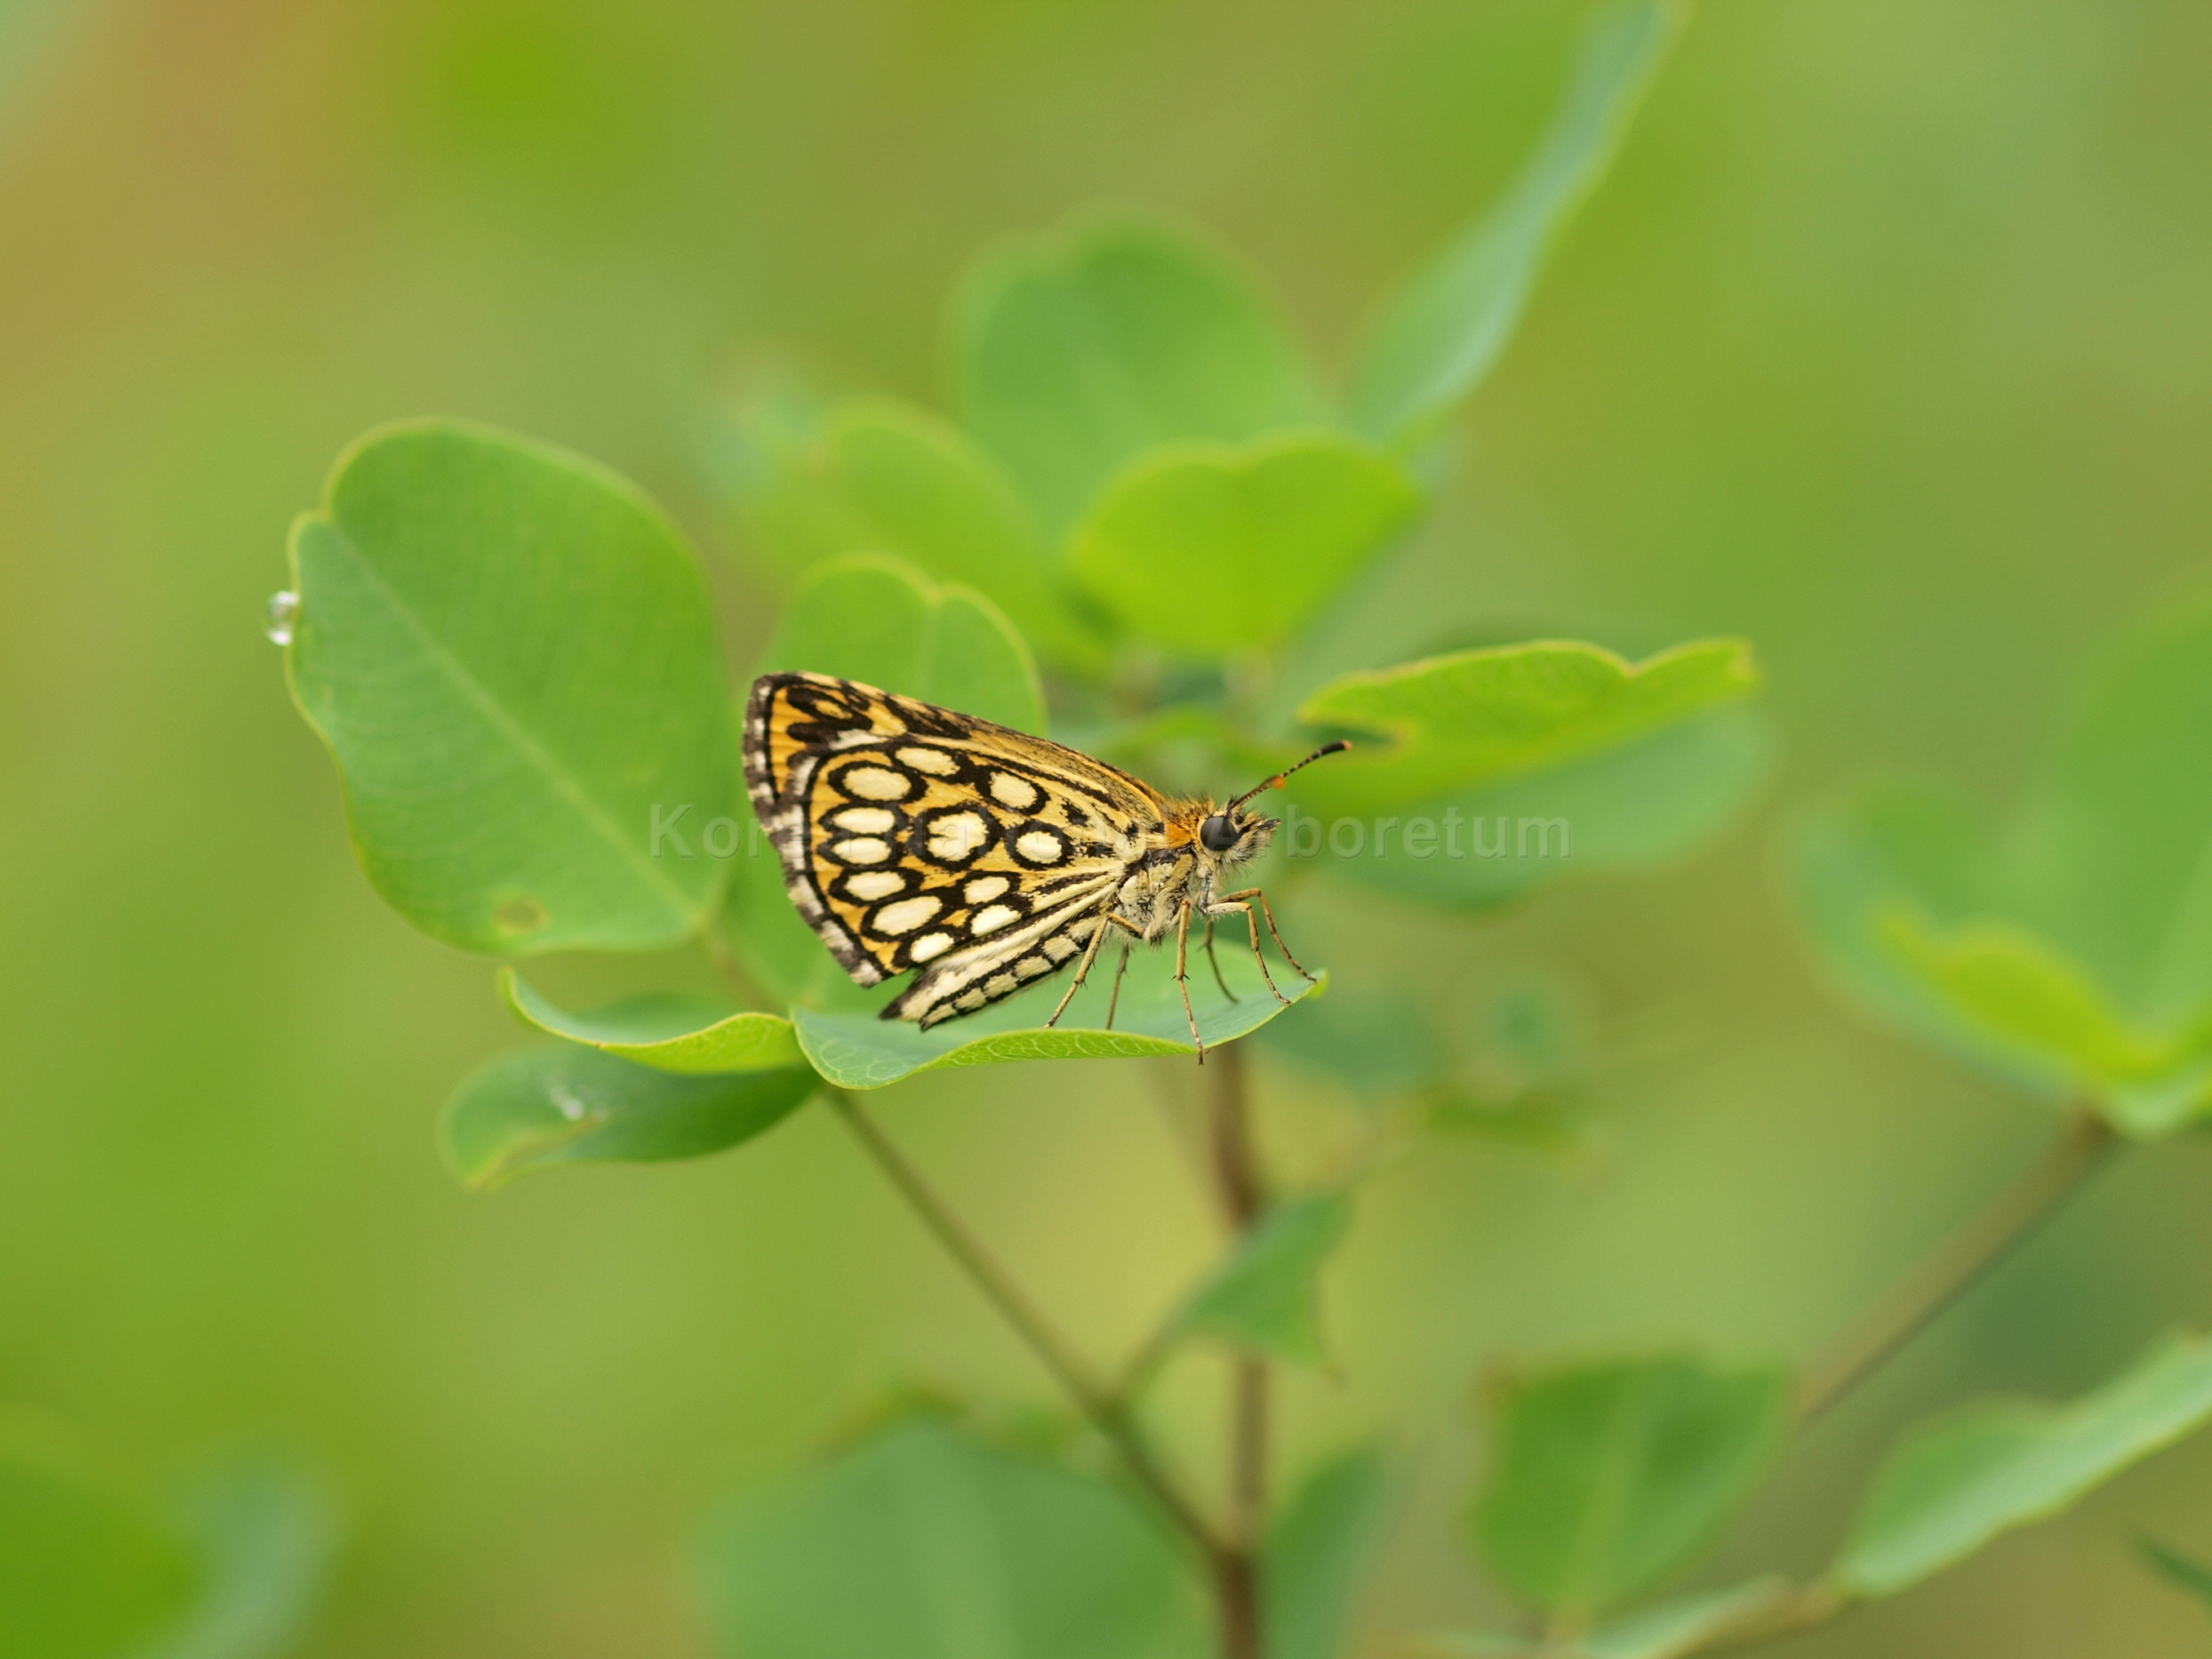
914,838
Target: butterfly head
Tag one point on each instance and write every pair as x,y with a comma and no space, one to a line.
1235,836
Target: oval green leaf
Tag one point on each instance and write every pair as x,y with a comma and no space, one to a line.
879,476
1440,334
1072,354
920,1544
1478,718
268,1531
884,624
537,1108
689,1035
1956,1484
1319,1551
857,1051
1607,1477
1266,1296
1209,548
510,654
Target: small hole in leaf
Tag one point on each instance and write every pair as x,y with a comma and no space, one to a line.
517,916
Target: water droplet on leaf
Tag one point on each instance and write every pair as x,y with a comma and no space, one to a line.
284,611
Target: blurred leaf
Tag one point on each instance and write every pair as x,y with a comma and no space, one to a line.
1439,335
1536,1121
1648,800
2078,952
1375,1042
667,1031
268,1533
1209,548
1957,1483
89,1566
539,1107
1073,353
1673,1629
857,1051
1478,718
919,1544
1318,1554
1607,1477
2178,1569
883,623
1266,1296
882,477
510,654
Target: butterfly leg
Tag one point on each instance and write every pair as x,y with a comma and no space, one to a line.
1083,968
1274,933
1114,1001
1182,977
1216,961
1232,906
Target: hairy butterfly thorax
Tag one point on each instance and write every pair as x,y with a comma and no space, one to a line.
982,859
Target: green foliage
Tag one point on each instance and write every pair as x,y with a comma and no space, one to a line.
877,476
1607,1477
663,1029
1266,1296
858,1051
1208,549
1673,1629
883,623
920,1543
2075,952
2178,1569
1953,1486
511,655
1318,1552
1376,1040
1477,718
95,1565
538,1108
1440,334
1074,354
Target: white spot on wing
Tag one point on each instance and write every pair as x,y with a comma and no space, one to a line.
864,820
930,946
1039,846
875,783
907,914
984,888
935,762
954,837
864,849
990,921
1008,790
869,885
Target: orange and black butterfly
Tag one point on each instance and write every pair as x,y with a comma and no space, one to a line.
982,859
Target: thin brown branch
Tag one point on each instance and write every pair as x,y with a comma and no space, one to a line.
1237,1182
1110,1415
1959,1263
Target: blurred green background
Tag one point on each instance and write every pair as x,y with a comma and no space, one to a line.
1884,344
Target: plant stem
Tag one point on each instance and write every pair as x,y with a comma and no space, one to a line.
1956,1265
1236,1182
998,1287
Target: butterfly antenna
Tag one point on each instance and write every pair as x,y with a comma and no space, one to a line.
1336,748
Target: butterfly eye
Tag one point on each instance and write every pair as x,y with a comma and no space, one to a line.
1218,833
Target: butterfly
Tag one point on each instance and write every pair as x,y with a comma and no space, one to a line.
982,859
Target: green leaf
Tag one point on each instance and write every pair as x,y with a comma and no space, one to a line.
2178,1569
510,654
1539,1121
1956,1484
1073,353
1318,1552
1251,539
669,1032
539,1107
2075,952
885,624
1441,333
858,1051
1607,1477
1478,718
919,1544
90,1565
1266,1296
1378,1042
1652,799
879,476
268,1532
1685,1624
